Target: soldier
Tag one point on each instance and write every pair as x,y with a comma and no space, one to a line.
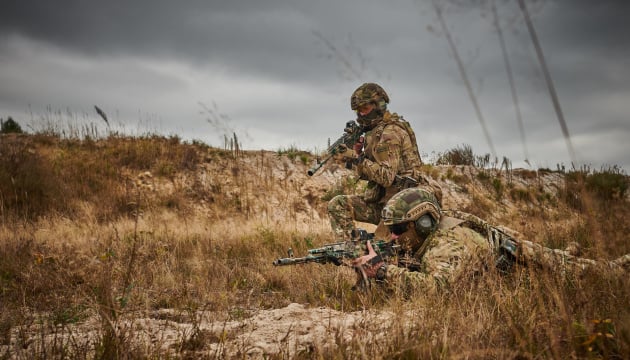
387,157
439,246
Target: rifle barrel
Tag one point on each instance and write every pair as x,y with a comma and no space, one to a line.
299,260
314,169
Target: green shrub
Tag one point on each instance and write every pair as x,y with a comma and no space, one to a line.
456,178
608,184
497,184
520,194
457,156
10,126
483,176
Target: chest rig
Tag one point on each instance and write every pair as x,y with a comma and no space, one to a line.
411,161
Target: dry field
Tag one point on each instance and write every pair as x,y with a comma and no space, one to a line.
148,247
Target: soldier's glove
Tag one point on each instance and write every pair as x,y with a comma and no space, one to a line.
344,153
374,268
381,273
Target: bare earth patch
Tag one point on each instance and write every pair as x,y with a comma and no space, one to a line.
289,331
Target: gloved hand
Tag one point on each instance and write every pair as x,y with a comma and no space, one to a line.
352,156
344,154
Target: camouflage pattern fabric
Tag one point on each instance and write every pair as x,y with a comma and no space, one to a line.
399,208
344,209
445,256
368,93
532,253
389,151
472,246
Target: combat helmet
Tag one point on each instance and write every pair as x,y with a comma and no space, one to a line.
369,93
412,205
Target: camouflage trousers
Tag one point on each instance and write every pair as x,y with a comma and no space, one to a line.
343,210
529,252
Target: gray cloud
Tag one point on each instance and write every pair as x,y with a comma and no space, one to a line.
283,70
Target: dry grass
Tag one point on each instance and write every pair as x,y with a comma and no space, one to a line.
199,234
42,175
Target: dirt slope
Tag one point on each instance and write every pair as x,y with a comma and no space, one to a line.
263,187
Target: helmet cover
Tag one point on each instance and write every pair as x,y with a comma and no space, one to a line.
369,93
409,205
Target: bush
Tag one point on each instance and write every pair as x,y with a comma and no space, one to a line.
605,185
457,156
26,187
10,126
608,184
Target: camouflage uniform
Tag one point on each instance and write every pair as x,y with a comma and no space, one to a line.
532,253
470,245
389,149
444,256
465,244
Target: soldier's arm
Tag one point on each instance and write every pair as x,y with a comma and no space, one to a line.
387,156
402,277
451,254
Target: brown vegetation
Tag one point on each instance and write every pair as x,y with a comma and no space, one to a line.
102,239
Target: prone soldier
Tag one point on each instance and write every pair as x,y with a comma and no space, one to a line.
447,244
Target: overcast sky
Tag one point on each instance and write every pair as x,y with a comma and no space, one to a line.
279,73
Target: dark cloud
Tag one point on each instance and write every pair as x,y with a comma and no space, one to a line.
283,70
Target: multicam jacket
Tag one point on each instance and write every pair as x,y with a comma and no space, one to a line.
443,257
466,244
390,150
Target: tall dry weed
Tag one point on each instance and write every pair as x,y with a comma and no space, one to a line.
179,245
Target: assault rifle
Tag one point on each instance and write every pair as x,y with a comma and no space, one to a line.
336,253
351,135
